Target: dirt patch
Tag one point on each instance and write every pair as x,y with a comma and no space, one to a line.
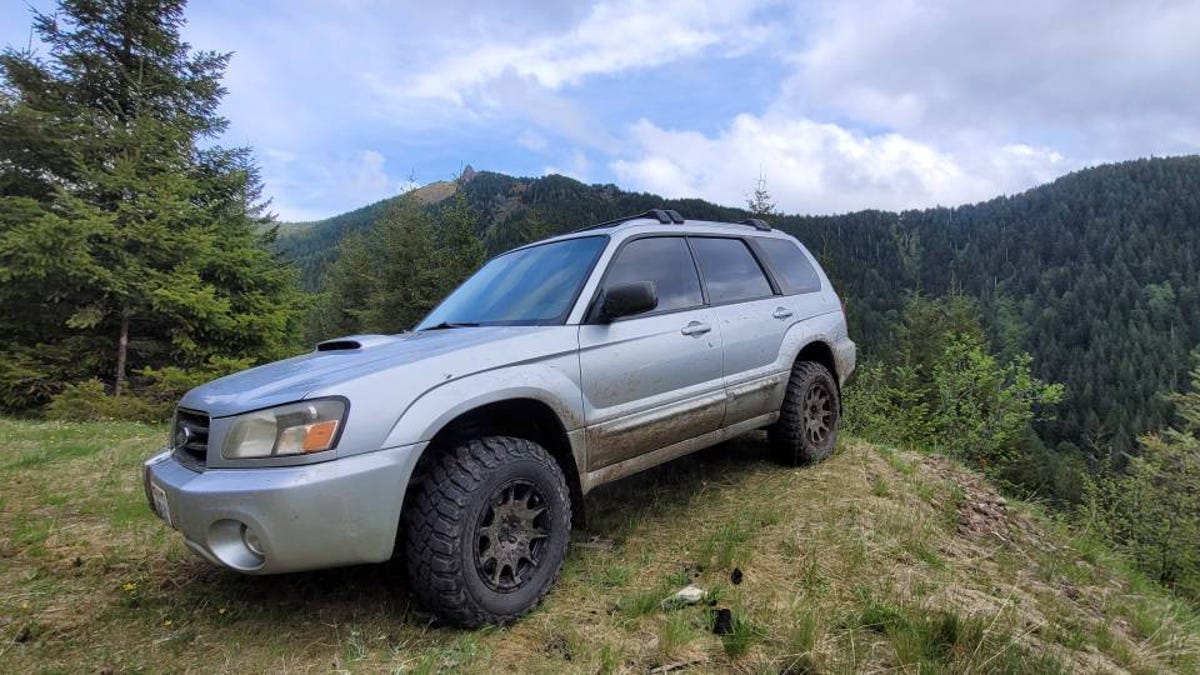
981,511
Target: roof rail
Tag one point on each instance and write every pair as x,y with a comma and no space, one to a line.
663,216
757,223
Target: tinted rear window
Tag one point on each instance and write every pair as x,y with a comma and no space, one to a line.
789,262
731,273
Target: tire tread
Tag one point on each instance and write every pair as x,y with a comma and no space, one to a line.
787,435
433,522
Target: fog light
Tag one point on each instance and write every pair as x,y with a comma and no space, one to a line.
235,545
250,539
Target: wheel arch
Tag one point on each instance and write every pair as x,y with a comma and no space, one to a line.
520,417
819,351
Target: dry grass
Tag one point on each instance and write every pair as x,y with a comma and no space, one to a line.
864,563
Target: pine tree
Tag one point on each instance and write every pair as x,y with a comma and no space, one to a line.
1152,509
461,251
387,280
408,280
760,204
343,301
127,239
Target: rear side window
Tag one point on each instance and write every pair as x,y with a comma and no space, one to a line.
790,263
731,273
664,260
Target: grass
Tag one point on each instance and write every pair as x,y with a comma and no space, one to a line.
857,564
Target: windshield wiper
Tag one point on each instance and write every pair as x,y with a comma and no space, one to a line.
450,324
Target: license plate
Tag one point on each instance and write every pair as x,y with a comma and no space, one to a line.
160,503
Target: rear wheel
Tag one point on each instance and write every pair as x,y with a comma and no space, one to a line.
487,531
808,421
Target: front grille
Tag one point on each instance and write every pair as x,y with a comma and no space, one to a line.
190,437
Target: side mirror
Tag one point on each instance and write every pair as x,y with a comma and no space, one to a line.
628,299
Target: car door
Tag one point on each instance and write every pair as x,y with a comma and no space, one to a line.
653,379
753,317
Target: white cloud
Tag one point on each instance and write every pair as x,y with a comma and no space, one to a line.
578,167
364,175
532,140
814,167
611,38
512,94
526,74
845,104
307,185
1108,79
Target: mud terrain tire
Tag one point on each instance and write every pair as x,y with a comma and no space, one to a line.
487,531
808,421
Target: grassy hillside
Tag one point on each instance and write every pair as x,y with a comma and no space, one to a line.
875,560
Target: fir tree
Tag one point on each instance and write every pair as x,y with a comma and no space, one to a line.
461,251
760,204
127,240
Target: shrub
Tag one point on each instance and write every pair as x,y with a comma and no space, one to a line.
152,399
87,401
944,390
1152,509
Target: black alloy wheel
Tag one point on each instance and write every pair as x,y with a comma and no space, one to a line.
808,420
511,535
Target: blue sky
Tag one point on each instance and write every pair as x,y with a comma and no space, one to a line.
840,105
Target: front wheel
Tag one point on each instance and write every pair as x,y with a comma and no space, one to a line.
486,533
808,421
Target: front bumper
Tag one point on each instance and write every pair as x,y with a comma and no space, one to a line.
341,512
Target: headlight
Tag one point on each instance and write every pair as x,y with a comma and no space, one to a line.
293,429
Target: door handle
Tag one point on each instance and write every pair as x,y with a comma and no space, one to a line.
695,328
782,313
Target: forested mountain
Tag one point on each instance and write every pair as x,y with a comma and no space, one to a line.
1096,274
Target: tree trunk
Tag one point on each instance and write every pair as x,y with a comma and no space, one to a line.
122,348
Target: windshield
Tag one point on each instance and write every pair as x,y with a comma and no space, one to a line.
529,286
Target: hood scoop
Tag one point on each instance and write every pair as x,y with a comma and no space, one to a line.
353,343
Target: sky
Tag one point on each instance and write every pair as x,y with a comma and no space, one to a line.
838,106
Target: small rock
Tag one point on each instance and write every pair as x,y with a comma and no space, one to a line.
595,543
678,665
736,576
723,625
688,595
23,636
558,646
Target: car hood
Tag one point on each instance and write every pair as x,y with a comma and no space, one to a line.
338,361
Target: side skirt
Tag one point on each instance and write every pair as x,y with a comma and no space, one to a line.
640,463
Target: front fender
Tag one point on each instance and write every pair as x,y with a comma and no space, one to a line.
553,383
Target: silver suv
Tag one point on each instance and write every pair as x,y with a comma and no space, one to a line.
468,444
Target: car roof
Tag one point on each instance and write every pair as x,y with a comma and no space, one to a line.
646,225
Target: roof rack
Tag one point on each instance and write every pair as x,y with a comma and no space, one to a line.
663,216
757,223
